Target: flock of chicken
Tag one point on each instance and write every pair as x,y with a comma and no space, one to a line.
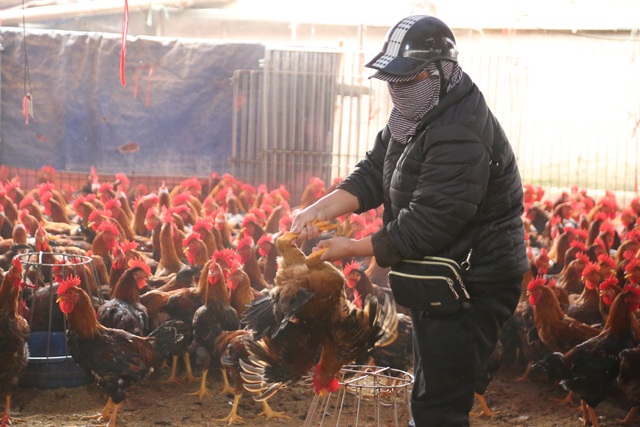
577,319
211,276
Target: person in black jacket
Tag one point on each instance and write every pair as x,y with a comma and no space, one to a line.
448,180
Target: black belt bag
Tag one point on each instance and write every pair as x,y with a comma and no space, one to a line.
432,284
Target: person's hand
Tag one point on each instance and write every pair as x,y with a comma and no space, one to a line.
302,224
337,248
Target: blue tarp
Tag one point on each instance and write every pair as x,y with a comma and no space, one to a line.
176,107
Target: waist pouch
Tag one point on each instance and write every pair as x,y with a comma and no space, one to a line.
432,284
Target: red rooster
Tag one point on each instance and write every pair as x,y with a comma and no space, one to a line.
117,359
14,333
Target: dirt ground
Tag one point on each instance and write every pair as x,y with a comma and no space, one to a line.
154,403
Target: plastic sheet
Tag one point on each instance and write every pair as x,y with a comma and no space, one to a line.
174,117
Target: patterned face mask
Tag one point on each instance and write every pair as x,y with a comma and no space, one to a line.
412,100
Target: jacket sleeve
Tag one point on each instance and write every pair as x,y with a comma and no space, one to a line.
452,182
365,182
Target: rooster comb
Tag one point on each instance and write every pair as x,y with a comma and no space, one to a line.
45,186
110,204
202,223
245,241
194,235
581,256
606,260
266,237
578,245
227,257
181,198
633,288
128,245
592,267
139,263
611,281
192,183
16,265
109,227
351,267
68,283
534,283
28,200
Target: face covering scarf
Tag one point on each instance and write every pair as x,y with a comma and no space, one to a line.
411,101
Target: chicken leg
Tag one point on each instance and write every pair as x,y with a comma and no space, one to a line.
7,418
203,390
486,411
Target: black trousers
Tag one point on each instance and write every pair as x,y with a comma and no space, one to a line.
448,350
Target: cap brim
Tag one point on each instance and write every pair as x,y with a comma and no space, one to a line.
392,78
397,65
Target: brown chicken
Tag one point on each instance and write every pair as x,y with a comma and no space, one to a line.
247,252
169,262
180,304
124,310
314,190
141,207
590,368
306,312
116,358
556,330
268,259
14,332
234,355
585,307
195,249
209,321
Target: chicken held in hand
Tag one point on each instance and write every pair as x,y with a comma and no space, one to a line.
116,358
307,311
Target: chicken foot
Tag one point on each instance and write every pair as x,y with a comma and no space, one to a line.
628,420
203,390
233,416
7,419
189,377
110,412
226,386
270,413
486,411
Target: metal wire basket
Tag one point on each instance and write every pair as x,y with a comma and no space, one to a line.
368,396
50,364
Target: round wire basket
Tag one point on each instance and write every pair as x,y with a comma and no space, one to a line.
50,364
368,396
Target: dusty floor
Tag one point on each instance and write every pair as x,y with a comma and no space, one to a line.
155,403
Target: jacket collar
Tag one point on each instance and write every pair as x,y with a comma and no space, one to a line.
458,92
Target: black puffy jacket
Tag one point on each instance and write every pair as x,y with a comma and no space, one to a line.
432,188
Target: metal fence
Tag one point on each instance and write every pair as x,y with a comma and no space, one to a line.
572,114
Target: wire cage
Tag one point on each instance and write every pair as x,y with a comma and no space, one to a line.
50,363
368,396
